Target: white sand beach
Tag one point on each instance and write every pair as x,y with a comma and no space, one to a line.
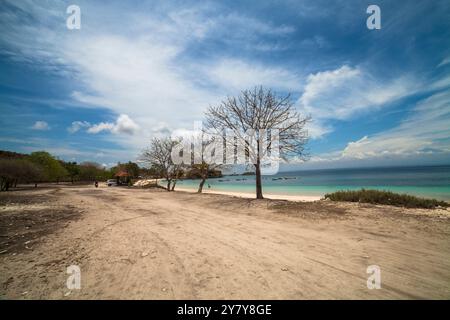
252,195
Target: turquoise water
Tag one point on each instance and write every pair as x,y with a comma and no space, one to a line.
429,182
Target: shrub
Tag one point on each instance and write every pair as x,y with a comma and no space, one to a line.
16,170
385,197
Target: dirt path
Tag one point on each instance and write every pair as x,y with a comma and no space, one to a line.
150,244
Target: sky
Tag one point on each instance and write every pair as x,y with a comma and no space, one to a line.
140,69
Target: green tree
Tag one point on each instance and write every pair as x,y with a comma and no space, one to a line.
91,171
73,170
52,169
131,168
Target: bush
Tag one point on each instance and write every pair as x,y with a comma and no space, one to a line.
385,197
16,170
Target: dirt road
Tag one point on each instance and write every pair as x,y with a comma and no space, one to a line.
151,244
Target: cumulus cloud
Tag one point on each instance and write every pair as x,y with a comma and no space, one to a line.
40,125
123,124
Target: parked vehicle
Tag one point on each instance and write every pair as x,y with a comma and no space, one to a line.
111,182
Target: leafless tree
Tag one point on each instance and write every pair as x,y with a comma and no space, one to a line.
204,157
263,124
159,157
13,171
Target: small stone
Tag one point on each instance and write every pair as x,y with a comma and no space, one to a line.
67,293
284,269
144,254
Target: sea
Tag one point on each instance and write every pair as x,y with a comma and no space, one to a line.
422,181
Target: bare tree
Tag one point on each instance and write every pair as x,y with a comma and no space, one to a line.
204,158
14,170
249,117
159,157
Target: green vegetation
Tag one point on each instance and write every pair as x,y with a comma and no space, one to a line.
385,197
131,168
92,171
51,168
18,170
41,166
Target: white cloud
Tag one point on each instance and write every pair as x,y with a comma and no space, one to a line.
78,125
102,126
40,125
317,128
444,62
425,131
123,124
137,70
347,92
235,75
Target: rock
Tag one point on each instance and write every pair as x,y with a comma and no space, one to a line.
144,254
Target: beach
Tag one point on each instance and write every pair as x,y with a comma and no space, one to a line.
421,181
248,195
133,243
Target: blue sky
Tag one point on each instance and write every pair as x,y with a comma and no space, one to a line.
146,68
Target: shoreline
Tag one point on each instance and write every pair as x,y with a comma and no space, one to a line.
252,195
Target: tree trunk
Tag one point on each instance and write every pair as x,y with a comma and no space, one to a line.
173,184
200,186
168,185
259,194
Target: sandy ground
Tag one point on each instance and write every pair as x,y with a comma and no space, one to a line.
252,195
150,244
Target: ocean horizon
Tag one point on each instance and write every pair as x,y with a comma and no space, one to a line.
421,181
